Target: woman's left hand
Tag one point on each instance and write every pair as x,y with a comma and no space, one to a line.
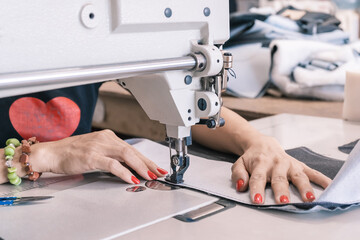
264,161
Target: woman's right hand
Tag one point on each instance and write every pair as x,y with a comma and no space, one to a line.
101,150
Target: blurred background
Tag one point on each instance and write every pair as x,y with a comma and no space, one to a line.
346,10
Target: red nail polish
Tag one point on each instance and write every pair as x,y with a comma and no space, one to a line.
310,196
162,171
258,198
135,180
284,199
152,175
239,184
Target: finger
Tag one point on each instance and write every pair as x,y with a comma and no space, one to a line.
317,177
257,185
155,170
280,184
160,172
130,158
115,167
127,154
301,181
239,175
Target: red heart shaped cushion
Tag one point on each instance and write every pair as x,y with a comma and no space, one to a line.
54,120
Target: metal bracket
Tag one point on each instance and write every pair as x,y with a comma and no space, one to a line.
207,211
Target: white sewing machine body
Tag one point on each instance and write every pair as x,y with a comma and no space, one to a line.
60,43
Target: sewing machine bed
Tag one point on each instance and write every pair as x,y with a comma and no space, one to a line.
90,206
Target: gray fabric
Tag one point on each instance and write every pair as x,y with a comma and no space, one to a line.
347,148
328,166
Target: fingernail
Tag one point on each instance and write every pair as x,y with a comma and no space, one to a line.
284,199
310,196
135,180
152,175
239,184
258,198
162,171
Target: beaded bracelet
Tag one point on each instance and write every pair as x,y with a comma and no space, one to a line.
9,151
24,159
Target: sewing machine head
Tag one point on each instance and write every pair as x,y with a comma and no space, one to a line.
167,54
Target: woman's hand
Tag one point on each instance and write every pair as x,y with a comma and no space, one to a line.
262,158
266,161
101,150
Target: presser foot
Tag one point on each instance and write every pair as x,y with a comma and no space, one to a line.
179,165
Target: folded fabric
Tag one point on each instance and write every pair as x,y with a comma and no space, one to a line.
250,64
263,32
283,23
290,74
258,28
250,37
347,4
311,22
344,190
316,22
347,148
213,177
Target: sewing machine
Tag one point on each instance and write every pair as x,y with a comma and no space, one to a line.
168,54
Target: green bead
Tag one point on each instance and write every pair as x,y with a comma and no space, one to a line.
13,141
12,169
8,157
9,151
12,176
16,181
10,146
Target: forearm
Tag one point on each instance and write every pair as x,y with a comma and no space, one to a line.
236,132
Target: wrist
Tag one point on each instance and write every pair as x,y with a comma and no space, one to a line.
247,139
39,158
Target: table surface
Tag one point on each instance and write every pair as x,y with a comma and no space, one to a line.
322,135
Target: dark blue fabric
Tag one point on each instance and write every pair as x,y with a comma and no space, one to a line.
347,148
